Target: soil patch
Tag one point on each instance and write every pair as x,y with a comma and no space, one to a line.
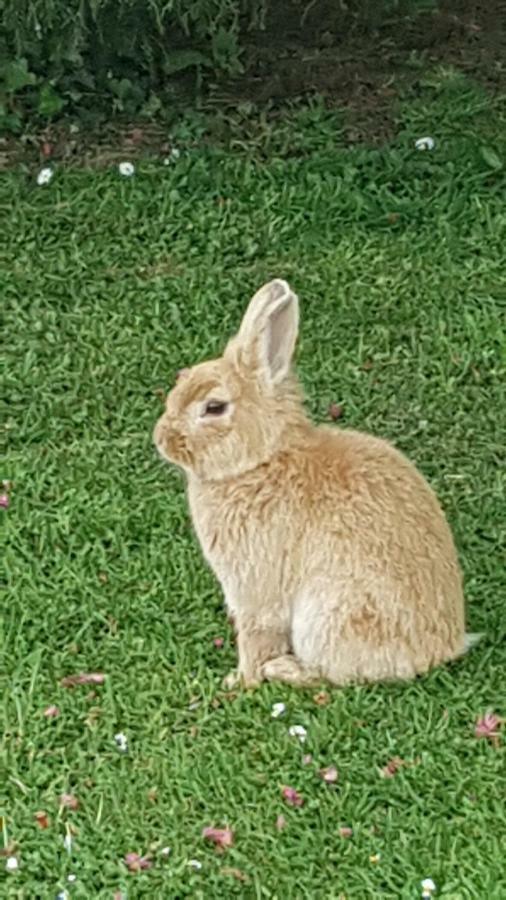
358,60
361,64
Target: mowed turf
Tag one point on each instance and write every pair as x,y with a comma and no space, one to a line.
109,286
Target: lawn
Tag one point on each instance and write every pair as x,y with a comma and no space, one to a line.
110,285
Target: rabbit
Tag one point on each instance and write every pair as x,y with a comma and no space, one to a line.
334,556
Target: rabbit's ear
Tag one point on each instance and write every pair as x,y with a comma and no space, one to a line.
269,330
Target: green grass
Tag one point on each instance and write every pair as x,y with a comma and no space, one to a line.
109,286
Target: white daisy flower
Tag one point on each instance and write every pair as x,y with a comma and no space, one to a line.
127,169
44,176
425,143
298,731
121,742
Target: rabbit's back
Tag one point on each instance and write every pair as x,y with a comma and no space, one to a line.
389,567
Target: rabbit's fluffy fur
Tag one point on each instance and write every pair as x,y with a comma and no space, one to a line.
334,556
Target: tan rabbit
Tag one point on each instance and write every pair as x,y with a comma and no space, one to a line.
334,556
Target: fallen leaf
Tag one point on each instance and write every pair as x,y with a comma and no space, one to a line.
82,678
69,801
153,795
235,873
321,698
46,149
280,823
346,832
392,767
136,135
220,837
291,796
135,862
230,695
329,774
488,726
93,716
42,819
335,411
51,712
393,218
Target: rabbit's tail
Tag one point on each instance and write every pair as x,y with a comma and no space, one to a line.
470,641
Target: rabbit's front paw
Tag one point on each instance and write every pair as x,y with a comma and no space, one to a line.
232,680
236,679
250,681
289,669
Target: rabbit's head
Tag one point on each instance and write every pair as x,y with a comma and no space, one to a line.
231,414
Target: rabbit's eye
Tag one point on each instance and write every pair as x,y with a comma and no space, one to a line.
215,408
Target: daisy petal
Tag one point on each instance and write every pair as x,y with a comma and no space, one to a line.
488,726
291,796
221,837
329,774
298,731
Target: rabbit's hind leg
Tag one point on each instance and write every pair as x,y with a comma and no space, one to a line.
291,670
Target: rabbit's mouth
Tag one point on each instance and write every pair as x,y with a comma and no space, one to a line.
170,444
